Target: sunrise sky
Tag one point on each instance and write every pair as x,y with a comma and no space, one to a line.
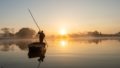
53,16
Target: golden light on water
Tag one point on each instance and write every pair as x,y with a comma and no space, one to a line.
63,32
63,43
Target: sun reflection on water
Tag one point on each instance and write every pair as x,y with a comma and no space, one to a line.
63,43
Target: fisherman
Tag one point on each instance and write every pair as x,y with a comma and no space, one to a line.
41,36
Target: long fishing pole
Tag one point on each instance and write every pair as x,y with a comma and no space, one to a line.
34,19
36,23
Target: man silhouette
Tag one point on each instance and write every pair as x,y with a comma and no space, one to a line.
41,36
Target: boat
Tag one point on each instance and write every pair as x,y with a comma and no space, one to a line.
37,49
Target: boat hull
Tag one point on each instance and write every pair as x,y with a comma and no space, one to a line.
36,50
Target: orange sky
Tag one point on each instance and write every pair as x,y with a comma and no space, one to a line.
53,15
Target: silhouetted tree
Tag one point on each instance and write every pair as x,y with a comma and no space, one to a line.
7,32
118,34
95,33
25,33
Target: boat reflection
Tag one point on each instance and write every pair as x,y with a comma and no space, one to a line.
37,50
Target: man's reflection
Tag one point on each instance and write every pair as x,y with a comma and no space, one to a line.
37,50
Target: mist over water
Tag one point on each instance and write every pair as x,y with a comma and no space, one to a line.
62,53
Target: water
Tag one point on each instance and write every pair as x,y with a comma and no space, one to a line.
62,53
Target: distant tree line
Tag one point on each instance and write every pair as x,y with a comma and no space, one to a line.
94,34
30,33
7,32
22,33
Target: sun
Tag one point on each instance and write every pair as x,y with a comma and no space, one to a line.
63,32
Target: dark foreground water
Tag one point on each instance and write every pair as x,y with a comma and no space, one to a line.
62,53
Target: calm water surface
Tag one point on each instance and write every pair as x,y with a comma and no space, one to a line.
62,53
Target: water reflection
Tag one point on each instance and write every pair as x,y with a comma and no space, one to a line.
62,53
37,50
63,42
9,45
